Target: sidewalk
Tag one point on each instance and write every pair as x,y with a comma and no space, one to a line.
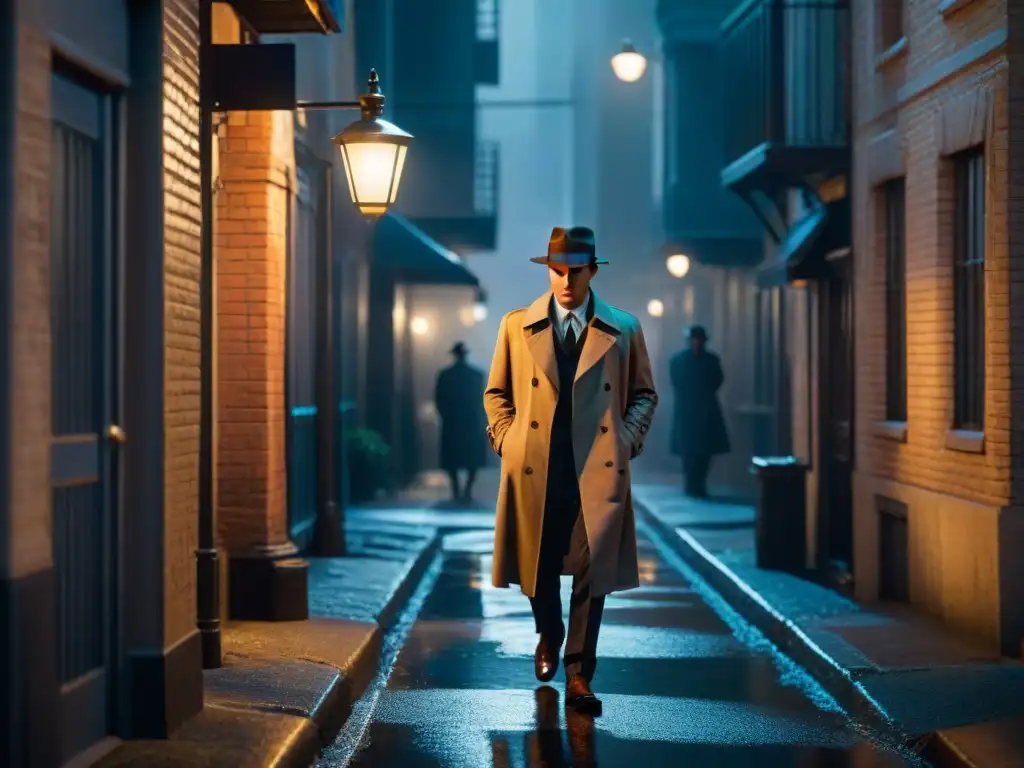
286,688
897,669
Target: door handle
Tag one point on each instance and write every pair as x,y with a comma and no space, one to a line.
116,435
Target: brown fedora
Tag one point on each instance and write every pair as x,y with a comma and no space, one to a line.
573,247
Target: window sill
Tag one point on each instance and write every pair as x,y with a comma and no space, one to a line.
892,430
965,441
948,7
895,52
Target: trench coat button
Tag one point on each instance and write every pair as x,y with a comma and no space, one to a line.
534,382
528,470
603,429
609,463
534,425
607,387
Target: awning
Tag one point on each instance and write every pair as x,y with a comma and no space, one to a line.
802,253
414,256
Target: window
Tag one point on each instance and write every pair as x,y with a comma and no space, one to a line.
890,22
969,291
895,301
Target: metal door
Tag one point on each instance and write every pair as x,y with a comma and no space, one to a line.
82,307
836,539
301,355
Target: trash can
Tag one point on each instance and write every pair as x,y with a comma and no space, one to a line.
781,513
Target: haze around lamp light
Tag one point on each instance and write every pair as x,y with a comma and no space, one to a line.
628,64
655,308
678,265
373,151
419,326
479,311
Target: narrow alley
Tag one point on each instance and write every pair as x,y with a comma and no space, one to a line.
683,679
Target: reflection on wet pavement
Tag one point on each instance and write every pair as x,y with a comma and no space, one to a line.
678,687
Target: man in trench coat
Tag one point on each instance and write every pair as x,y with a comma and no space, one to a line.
457,399
698,429
569,401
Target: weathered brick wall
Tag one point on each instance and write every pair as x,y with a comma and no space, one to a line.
31,548
953,496
182,222
257,166
923,459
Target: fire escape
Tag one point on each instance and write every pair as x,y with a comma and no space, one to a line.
787,127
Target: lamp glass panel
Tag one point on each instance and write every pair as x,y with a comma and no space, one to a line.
398,173
370,166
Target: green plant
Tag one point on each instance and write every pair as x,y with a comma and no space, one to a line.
367,462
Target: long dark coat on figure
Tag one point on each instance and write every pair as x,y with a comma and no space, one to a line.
458,397
698,428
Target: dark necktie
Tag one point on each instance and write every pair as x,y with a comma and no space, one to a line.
570,336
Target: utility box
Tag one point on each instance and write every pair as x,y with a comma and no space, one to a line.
781,513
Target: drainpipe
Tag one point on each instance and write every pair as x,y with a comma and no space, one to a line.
207,560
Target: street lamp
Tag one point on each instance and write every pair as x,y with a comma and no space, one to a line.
373,151
628,64
480,307
678,265
419,326
655,308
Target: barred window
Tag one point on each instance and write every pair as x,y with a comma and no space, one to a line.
895,301
969,290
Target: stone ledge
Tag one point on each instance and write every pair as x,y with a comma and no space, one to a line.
287,688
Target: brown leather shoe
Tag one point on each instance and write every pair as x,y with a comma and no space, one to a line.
545,659
579,696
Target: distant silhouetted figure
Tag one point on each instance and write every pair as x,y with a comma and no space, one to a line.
698,430
458,397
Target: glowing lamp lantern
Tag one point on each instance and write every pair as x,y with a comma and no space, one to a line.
419,326
655,308
628,64
678,265
373,151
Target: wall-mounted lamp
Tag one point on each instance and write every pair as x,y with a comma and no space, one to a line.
655,308
628,64
678,265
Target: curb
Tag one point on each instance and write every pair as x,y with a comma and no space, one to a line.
336,706
794,643
409,582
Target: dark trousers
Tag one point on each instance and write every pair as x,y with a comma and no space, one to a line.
695,472
585,610
467,492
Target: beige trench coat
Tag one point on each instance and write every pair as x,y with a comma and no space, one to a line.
613,404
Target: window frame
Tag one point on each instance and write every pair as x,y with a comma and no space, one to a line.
970,245
894,198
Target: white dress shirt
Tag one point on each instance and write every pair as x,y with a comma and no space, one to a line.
575,318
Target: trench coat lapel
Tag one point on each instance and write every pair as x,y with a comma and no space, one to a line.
539,337
600,336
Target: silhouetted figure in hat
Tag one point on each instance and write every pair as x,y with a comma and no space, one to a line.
458,396
698,429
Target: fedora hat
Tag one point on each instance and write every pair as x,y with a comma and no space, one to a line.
697,332
459,349
573,247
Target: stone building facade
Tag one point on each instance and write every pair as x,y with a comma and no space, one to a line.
937,485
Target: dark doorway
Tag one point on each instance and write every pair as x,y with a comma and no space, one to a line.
835,530
84,386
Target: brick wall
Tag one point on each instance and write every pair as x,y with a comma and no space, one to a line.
902,106
31,549
182,222
257,166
